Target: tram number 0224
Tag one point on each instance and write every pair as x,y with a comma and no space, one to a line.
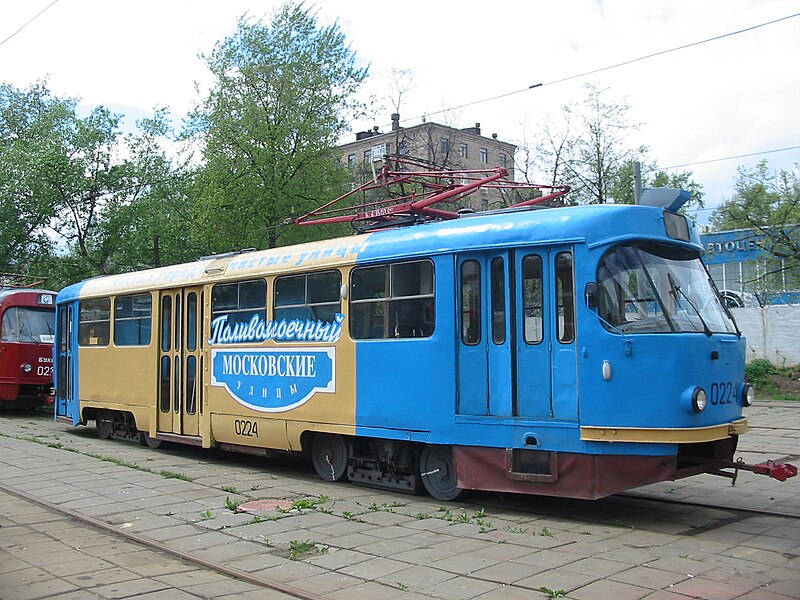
245,428
722,393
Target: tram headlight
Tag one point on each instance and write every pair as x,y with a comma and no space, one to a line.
699,400
27,367
748,394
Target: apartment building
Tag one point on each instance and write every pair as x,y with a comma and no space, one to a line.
440,146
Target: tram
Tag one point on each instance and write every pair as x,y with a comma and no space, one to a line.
27,332
576,351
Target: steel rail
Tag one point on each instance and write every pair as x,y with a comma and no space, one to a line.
155,545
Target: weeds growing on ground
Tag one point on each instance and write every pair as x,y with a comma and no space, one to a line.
174,475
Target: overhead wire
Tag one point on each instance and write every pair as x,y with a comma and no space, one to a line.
31,20
628,62
713,160
609,67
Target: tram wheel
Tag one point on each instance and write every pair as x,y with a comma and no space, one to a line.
146,440
438,472
104,424
329,455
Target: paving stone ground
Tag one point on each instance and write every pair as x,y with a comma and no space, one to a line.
350,542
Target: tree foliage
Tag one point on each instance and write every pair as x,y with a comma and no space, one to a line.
768,202
587,146
75,193
32,127
282,97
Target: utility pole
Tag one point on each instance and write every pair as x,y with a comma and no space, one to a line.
637,182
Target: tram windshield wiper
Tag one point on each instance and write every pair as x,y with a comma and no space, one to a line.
676,291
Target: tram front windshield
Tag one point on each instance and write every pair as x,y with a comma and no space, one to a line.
22,324
655,289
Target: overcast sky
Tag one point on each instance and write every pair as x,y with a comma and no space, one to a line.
734,96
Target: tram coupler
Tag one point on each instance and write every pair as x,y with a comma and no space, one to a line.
775,470
779,471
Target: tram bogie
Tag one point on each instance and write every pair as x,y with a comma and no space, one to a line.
576,351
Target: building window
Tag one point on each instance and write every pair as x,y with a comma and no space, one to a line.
392,301
463,151
132,317
503,159
484,156
402,148
351,161
444,144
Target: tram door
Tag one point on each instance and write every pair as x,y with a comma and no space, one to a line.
66,346
485,358
516,352
545,344
180,361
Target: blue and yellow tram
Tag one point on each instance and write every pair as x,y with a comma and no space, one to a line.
575,351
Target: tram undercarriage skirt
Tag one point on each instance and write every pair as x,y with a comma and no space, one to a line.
569,475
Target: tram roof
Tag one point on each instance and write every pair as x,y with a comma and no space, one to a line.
594,225
5,292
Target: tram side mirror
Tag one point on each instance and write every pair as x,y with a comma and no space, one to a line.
590,293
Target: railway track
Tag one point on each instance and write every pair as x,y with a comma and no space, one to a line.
733,509
480,499
287,590
495,522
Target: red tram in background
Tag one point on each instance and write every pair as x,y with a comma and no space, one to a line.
27,324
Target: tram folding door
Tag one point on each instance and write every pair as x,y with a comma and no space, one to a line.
180,361
485,360
546,370
516,327
66,349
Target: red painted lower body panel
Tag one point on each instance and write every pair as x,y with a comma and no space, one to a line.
25,395
570,475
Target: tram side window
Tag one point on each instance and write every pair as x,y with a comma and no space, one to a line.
132,320
94,322
311,297
533,299
392,301
565,298
239,301
470,302
498,300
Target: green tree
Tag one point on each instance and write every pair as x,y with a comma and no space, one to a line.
76,194
769,203
116,190
32,125
283,95
587,146
653,177
154,219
